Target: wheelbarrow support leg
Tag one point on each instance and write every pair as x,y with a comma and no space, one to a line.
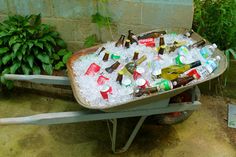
131,137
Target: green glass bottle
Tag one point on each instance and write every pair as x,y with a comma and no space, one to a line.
131,66
173,72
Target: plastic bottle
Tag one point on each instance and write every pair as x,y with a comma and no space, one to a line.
208,50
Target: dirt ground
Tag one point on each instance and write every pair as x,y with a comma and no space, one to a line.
204,134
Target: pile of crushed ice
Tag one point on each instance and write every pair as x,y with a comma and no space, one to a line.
88,85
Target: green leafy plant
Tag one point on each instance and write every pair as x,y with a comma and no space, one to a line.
29,47
101,21
215,20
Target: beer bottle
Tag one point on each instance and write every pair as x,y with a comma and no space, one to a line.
105,57
154,34
189,33
141,91
127,43
112,67
198,44
119,77
135,57
178,82
131,37
103,48
120,42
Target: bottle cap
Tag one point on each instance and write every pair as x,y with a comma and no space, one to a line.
214,45
105,88
140,82
126,82
140,70
218,58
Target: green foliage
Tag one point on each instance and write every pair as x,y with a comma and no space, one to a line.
90,40
29,47
215,20
101,20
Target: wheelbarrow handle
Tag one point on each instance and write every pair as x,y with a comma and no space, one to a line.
44,79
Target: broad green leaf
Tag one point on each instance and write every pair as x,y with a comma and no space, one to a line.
1,42
3,34
38,44
3,80
23,50
30,60
54,34
14,67
26,70
19,55
30,44
62,52
49,48
48,68
66,57
9,84
6,71
14,40
36,70
16,47
61,43
6,59
59,65
56,57
43,58
3,50
49,38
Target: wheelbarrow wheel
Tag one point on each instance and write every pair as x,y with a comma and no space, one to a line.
177,117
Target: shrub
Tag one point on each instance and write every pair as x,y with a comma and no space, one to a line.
215,20
29,47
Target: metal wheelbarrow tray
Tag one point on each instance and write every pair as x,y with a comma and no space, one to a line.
145,99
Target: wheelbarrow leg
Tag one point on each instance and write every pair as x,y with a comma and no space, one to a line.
131,137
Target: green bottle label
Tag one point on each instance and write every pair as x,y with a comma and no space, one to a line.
115,56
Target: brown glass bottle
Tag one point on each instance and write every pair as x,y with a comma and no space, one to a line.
127,43
105,57
198,43
161,41
103,48
154,34
182,81
120,42
131,37
113,67
189,33
119,77
135,57
141,91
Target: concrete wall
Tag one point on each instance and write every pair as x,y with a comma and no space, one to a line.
72,18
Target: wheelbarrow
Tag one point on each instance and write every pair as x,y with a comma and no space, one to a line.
143,107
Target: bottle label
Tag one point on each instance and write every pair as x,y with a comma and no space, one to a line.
205,52
164,85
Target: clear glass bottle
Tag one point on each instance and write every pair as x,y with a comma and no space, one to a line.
131,66
173,72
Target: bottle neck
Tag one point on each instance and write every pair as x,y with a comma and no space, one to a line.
140,60
199,43
195,64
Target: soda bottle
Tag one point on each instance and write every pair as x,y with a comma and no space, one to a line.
127,43
105,57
